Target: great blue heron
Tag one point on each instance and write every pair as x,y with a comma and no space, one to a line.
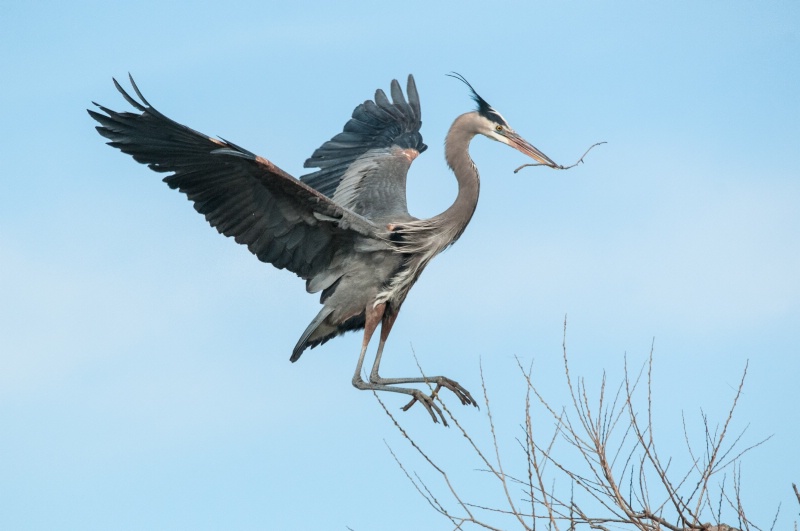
344,228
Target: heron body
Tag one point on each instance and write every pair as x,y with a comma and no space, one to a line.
344,228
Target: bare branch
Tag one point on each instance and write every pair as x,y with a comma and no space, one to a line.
560,167
617,479
497,450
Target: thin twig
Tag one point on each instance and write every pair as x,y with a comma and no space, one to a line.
660,497
497,450
419,450
559,166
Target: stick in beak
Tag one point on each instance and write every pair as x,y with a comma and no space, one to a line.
523,146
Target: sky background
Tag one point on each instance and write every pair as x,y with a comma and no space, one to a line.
144,373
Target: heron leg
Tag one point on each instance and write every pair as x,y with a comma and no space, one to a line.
386,327
373,316
427,400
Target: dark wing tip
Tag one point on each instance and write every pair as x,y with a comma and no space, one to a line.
138,92
128,97
413,96
397,94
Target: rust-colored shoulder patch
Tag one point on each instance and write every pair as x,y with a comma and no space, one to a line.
408,153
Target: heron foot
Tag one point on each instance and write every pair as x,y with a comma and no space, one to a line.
428,400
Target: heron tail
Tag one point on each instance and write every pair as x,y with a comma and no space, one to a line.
317,332
321,330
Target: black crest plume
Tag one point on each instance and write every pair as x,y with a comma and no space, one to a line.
484,109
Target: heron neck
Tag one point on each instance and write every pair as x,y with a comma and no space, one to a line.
456,152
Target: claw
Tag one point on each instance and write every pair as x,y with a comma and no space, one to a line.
463,395
429,400
429,404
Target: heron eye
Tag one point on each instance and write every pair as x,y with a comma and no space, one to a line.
498,128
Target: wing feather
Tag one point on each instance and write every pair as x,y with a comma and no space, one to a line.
280,219
364,167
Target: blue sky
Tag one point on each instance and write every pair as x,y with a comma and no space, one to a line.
144,373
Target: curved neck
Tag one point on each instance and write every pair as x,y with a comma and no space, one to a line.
456,152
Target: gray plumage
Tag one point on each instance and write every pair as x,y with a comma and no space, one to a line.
344,228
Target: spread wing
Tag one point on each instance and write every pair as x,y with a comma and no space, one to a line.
364,167
280,219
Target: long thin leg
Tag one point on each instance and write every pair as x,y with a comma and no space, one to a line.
441,381
386,328
374,314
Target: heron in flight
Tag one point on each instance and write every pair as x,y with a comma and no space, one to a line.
344,228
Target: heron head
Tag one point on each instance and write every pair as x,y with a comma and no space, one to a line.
491,124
